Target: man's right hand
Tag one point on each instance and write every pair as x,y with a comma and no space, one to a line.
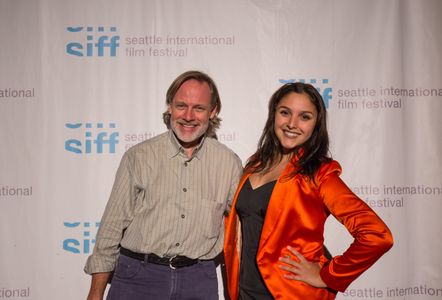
98,285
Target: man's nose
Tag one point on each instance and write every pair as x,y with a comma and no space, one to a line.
188,114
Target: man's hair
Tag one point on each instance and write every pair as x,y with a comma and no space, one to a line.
314,151
215,102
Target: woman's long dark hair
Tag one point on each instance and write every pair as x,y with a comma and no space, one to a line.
314,151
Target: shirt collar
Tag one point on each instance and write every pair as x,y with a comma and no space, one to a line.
176,148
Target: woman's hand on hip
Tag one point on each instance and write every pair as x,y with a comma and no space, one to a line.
301,269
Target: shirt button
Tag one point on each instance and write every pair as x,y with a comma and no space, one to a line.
177,244
184,190
183,216
185,164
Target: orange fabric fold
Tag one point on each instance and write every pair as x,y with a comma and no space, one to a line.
296,215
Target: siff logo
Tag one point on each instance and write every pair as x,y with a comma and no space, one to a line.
326,92
94,140
95,44
85,243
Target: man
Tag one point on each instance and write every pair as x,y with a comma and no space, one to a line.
163,224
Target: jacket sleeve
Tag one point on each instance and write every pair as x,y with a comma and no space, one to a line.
372,238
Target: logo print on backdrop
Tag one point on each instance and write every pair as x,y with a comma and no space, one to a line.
95,141
326,92
85,243
96,42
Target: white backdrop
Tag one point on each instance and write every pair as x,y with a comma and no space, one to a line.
81,81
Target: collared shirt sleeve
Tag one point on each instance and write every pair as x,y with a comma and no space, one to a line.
237,173
117,216
372,237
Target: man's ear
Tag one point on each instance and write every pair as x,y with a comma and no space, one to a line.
169,109
213,113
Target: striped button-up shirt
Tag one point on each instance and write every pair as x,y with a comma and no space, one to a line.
165,203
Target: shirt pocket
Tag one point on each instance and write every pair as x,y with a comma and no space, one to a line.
141,201
213,213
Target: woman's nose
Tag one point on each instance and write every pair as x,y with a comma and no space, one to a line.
292,122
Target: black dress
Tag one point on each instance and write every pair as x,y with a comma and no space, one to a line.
251,207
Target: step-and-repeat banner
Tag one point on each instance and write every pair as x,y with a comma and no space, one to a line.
82,81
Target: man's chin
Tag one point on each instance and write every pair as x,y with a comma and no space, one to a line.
186,139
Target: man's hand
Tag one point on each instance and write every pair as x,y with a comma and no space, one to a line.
98,285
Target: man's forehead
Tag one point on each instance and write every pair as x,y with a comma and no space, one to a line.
194,91
193,84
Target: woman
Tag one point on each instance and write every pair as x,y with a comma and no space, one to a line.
274,233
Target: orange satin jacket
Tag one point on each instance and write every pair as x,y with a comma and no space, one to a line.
295,216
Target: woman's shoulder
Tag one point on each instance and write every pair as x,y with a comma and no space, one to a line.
326,169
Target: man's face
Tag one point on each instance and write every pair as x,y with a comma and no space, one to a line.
190,112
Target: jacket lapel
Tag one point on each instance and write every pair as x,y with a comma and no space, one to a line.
276,204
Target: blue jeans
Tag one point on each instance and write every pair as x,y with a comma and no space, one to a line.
139,280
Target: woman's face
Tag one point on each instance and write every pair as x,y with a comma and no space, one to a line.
295,120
